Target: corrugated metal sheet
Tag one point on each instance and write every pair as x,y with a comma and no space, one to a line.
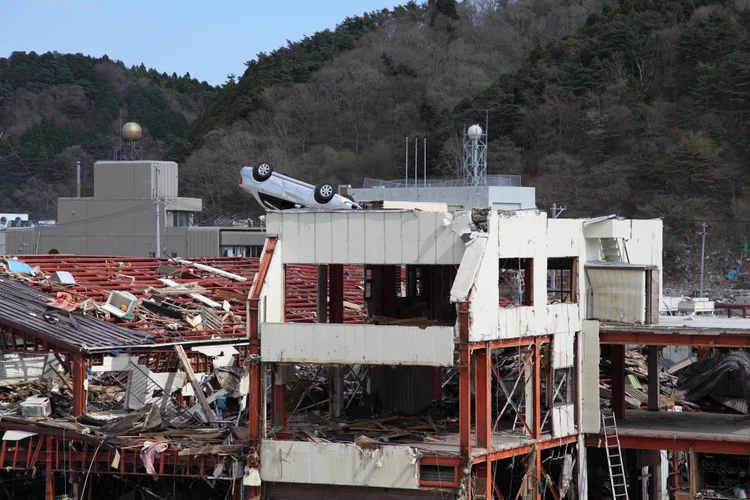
347,343
290,491
23,307
619,293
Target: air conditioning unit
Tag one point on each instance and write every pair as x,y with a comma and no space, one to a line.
36,406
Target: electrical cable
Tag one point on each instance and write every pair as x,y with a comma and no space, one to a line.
27,170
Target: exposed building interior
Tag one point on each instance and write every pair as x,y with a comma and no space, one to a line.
382,353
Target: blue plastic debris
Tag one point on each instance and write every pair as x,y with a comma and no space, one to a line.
19,267
733,273
221,402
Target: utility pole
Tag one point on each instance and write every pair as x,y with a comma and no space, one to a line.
158,222
703,256
556,211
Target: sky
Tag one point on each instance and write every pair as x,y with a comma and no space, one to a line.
208,38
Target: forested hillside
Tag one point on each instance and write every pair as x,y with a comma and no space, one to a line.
635,107
56,109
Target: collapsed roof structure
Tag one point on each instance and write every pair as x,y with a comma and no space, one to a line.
378,353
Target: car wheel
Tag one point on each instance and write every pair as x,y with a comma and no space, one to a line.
262,172
324,193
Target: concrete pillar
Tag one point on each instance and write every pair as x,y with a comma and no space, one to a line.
655,489
653,378
618,380
278,398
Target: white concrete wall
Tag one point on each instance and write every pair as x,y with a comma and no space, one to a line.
589,383
272,296
369,237
367,344
339,464
485,293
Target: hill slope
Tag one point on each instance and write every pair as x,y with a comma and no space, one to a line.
56,109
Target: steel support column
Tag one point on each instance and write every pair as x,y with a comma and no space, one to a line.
483,398
255,368
79,391
653,378
336,293
617,360
437,383
464,381
537,385
49,474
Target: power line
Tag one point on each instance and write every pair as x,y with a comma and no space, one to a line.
2,134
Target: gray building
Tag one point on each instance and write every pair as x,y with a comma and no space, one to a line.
121,219
502,192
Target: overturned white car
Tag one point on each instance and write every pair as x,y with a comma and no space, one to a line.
280,192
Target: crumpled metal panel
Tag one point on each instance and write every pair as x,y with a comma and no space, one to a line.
24,308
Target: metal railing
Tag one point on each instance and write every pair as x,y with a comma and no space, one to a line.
492,180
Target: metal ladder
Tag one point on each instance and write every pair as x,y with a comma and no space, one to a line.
614,456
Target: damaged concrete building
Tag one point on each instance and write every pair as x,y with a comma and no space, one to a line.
379,353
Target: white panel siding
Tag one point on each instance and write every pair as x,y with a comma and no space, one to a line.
339,464
564,237
290,237
563,318
428,228
589,382
339,230
355,239
306,236
392,221
346,344
563,420
369,237
619,294
409,238
374,238
562,350
322,240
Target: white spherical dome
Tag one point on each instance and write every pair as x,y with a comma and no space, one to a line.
475,132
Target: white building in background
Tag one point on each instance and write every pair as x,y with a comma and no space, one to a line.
501,192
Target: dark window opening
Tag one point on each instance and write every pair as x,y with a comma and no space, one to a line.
54,251
437,474
562,280
409,295
516,282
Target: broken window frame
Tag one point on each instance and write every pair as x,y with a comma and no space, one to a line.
517,274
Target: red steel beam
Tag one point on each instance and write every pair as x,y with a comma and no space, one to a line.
699,445
514,342
255,395
524,449
79,392
464,381
735,340
483,399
